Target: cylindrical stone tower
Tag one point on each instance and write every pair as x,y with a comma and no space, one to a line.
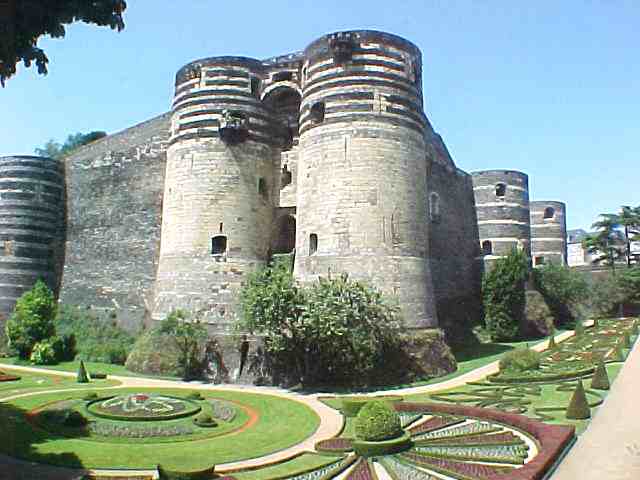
32,226
502,207
362,172
548,232
218,199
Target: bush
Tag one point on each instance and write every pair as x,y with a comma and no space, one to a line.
32,319
563,289
333,331
384,447
578,408
204,420
520,360
74,419
43,353
89,397
600,379
351,405
206,473
194,396
95,339
377,421
154,354
98,375
503,295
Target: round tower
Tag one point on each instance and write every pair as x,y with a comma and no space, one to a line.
502,208
548,232
362,174
218,199
32,226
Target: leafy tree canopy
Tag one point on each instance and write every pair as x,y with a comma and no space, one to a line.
22,23
188,338
53,149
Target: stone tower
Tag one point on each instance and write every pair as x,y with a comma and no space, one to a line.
32,226
548,232
218,203
362,171
502,207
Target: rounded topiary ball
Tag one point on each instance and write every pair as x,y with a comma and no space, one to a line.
377,421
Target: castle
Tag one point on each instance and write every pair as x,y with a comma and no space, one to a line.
326,153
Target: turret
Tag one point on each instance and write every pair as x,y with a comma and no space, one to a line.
548,232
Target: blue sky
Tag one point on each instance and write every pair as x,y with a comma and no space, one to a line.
550,88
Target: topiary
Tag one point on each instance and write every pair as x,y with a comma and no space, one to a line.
194,396
552,341
204,420
579,329
90,396
520,360
578,408
618,353
74,419
600,379
82,373
626,340
377,421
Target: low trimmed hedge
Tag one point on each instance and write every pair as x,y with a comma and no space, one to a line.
121,417
97,375
4,377
204,474
385,447
204,420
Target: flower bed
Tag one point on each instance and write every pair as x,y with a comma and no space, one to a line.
143,407
222,410
334,445
5,377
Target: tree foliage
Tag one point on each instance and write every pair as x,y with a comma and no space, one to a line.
563,290
333,331
377,421
32,319
22,23
188,337
53,149
503,295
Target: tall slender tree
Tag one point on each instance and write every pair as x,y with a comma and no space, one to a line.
606,243
629,220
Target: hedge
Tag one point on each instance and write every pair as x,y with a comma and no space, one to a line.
352,405
384,447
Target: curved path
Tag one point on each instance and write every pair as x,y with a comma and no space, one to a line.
331,421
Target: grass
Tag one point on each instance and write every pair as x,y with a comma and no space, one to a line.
34,382
72,366
281,424
292,467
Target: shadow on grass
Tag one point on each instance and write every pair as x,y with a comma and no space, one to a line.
18,448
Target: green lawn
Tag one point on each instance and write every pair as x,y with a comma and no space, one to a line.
33,382
281,424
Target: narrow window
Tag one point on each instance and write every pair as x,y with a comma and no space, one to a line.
262,188
487,248
220,227
283,77
255,87
501,189
313,243
317,112
285,177
538,261
549,212
434,207
219,245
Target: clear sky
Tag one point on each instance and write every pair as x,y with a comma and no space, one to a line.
548,87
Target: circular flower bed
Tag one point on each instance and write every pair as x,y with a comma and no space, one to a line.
142,406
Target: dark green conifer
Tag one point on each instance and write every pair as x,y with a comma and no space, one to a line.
600,379
82,373
578,408
626,339
552,341
579,330
618,353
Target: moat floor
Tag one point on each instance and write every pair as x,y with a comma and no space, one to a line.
609,449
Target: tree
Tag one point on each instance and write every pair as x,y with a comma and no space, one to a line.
503,295
335,330
606,243
53,149
562,288
23,23
188,337
32,319
629,219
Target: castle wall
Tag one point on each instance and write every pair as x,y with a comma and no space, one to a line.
32,227
115,189
502,210
548,232
362,171
454,247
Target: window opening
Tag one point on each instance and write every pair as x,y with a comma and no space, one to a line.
539,260
255,87
487,248
313,243
262,188
219,245
285,177
501,190
434,207
317,112
283,77
549,212
220,227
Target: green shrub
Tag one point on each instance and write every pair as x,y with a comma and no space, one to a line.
97,375
82,373
204,420
194,396
503,295
74,419
600,379
43,353
88,397
578,408
563,289
32,319
384,447
95,339
520,360
154,354
376,421
352,405
204,474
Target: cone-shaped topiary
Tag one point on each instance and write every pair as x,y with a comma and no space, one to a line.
618,353
377,421
579,330
626,339
600,379
634,328
82,373
578,408
552,341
